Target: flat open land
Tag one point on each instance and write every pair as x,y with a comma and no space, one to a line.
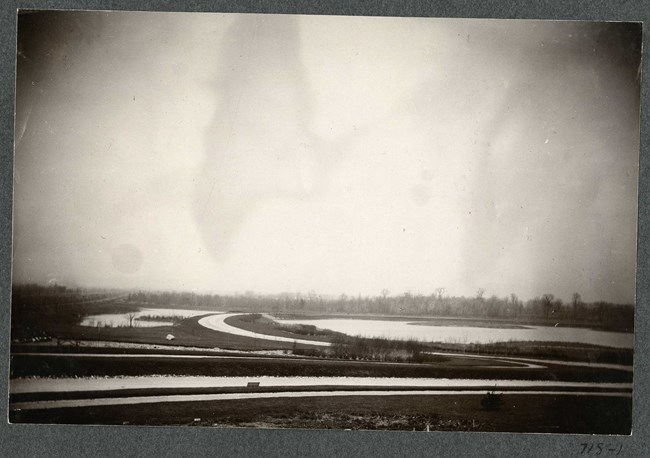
136,375
86,363
520,413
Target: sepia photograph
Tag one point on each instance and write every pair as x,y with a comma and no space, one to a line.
281,221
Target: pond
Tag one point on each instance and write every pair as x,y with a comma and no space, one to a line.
468,334
144,318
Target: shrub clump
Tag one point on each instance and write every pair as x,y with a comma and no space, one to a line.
492,401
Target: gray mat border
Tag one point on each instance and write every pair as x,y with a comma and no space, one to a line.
59,440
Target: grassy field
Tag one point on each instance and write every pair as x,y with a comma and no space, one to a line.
258,323
61,365
184,391
519,413
186,333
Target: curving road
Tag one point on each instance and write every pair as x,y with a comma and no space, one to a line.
62,403
57,385
217,323
540,363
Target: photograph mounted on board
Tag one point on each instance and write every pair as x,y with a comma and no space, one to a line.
329,222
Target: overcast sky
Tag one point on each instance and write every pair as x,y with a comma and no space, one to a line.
225,153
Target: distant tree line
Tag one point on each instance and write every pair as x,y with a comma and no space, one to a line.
32,303
38,310
543,308
35,294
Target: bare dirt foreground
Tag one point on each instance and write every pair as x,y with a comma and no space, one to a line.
519,413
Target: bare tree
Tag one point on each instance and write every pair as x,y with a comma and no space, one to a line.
547,303
440,292
131,317
480,293
516,304
575,301
383,304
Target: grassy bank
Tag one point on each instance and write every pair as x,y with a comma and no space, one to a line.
186,333
343,346
257,322
44,365
546,350
358,389
519,413
355,347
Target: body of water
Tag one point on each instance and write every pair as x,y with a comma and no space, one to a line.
468,334
164,317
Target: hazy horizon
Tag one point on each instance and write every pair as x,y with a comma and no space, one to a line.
278,153
485,296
